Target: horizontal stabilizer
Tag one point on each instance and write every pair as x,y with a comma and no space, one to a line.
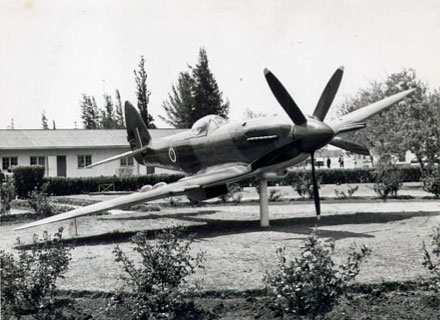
350,146
119,156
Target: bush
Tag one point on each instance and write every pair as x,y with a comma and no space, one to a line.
275,195
350,192
7,194
39,201
157,284
311,284
303,185
29,282
431,260
234,193
431,182
27,179
388,181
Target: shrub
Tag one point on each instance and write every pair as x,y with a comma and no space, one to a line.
388,181
234,193
27,179
38,200
29,282
157,283
311,284
350,192
7,194
431,182
303,185
431,260
275,195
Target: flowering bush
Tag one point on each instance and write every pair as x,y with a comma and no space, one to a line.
303,185
157,283
388,181
29,282
7,194
311,284
431,260
431,182
234,193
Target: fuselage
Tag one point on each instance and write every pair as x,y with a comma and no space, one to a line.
209,144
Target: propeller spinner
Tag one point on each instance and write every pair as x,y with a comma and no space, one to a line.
312,132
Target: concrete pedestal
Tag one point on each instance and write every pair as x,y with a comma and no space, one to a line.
264,204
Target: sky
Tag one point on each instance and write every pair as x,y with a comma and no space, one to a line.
53,51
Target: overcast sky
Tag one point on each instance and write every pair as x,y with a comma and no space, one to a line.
52,51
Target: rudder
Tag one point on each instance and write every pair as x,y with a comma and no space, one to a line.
137,132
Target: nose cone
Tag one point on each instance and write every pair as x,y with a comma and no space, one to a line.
314,135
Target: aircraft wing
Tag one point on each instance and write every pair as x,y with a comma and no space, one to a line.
219,176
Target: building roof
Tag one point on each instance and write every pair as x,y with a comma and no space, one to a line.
28,139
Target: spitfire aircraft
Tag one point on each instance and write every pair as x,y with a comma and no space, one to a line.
216,152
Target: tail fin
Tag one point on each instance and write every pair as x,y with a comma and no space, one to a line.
137,132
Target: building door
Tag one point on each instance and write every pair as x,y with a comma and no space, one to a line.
61,166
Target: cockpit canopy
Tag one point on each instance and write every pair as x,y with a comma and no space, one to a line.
207,124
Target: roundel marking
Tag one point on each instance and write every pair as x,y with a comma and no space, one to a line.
172,154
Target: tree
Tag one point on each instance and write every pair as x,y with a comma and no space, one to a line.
422,131
108,117
107,114
180,103
396,130
119,115
207,96
44,124
143,94
89,112
194,96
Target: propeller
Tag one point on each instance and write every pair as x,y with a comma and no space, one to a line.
311,133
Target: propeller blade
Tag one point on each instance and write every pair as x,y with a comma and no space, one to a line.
315,188
328,94
284,99
350,146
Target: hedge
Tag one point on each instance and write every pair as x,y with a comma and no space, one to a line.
27,179
65,186
339,176
61,186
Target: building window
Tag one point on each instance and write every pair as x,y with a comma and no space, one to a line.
38,161
84,160
8,162
127,162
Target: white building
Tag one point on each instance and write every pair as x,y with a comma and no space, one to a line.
66,152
